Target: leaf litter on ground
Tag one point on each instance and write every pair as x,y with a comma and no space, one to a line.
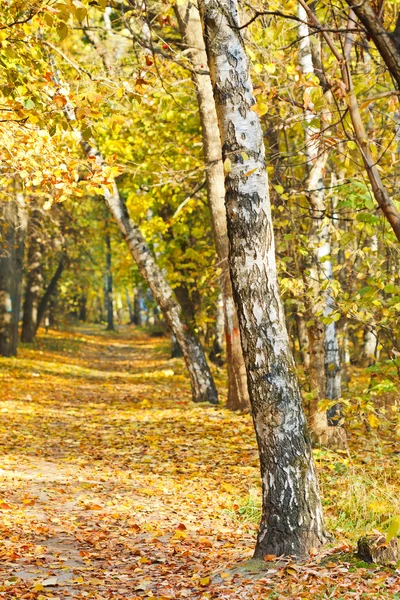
115,486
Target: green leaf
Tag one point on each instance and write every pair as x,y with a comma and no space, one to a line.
369,203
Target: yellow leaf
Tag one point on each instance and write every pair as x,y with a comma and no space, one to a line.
260,108
179,535
227,165
228,487
373,420
205,581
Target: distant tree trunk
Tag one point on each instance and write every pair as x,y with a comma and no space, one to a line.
216,354
82,303
51,289
138,300
12,235
108,286
292,520
33,280
192,34
183,297
130,307
303,341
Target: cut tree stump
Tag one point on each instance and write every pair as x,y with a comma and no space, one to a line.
374,548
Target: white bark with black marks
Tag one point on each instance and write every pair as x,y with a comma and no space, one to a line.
292,520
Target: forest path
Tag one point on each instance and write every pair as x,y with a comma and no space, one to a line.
115,486
113,483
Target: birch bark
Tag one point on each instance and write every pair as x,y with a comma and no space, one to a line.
192,35
292,520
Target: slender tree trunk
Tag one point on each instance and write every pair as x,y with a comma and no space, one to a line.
22,226
325,368
108,286
203,387
303,341
130,307
50,290
292,520
202,383
83,307
12,235
138,299
216,354
370,346
192,34
33,281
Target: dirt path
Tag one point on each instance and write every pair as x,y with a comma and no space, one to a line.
114,486
111,479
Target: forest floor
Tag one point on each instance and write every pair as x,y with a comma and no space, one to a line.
115,486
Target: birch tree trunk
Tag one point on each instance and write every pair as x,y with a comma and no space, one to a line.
33,280
203,387
325,373
292,520
201,380
192,35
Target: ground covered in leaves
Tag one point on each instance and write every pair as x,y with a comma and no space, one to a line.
115,486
